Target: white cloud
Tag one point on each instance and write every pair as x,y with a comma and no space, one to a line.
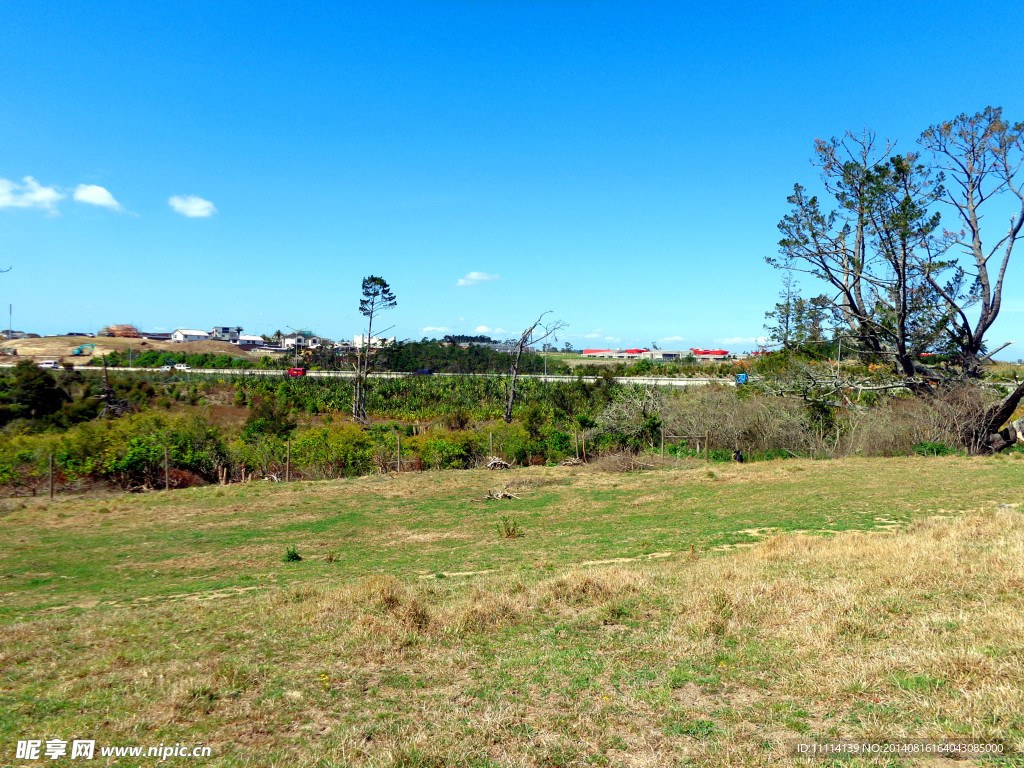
612,338
672,338
29,194
96,195
437,329
482,329
192,206
472,278
594,335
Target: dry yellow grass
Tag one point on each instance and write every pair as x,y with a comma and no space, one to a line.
654,659
916,635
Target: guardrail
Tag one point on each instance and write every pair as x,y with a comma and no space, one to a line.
245,372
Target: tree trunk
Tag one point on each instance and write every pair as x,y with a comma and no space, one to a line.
992,435
510,389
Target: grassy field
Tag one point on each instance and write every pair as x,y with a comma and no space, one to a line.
698,615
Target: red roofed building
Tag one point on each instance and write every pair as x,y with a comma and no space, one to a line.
709,354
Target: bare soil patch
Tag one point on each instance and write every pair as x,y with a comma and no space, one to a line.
60,347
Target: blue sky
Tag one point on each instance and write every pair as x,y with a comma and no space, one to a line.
623,164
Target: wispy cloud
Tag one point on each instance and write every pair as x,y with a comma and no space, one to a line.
593,335
92,194
437,329
612,338
672,338
29,194
472,278
488,329
192,206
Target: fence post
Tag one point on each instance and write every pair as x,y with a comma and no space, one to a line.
51,475
663,442
707,452
399,451
167,473
288,462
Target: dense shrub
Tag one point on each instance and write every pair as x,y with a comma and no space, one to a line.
128,451
269,416
900,423
333,451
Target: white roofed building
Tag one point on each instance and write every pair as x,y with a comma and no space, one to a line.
248,340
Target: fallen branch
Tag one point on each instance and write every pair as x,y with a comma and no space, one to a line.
495,494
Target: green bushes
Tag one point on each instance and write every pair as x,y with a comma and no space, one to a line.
127,452
269,416
934,449
155,358
442,423
333,451
459,400
448,450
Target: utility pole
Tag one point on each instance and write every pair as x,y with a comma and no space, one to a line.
295,347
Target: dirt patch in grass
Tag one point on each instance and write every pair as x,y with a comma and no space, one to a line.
404,536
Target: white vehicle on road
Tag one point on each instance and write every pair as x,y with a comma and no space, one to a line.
53,365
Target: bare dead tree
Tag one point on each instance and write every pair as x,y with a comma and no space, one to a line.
533,334
112,405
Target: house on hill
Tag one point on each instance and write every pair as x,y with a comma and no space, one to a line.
301,340
189,334
228,333
248,341
361,340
